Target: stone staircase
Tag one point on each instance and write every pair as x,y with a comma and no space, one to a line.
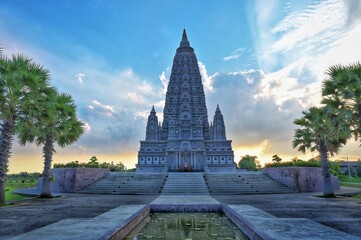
185,183
127,183
244,183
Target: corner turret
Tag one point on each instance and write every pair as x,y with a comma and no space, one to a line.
152,132
218,128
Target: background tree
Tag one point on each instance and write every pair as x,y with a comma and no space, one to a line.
93,162
249,162
276,158
23,85
57,124
322,131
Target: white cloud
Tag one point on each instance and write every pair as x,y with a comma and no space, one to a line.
318,24
207,80
80,77
164,80
232,56
136,98
87,127
235,54
145,87
297,49
252,114
141,114
103,109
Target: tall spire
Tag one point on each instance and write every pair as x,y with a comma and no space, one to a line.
217,109
218,129
184,46
152,132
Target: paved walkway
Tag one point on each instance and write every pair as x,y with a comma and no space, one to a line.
342,213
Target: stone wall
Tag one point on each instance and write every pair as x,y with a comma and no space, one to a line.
301,179
70,180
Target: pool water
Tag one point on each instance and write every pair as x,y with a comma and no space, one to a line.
186,226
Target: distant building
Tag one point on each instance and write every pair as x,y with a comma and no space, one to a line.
344,165
185,141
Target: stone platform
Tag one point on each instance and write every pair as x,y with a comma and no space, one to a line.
257,224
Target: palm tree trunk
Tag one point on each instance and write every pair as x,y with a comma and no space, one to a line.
327,183
6,137
48,150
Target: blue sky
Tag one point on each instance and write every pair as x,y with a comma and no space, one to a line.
263,61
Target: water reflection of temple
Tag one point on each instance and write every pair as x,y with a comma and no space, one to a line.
189,225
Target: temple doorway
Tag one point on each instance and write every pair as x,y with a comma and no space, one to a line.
185,165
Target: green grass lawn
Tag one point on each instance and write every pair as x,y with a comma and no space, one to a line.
355,182
346,178
13,184
350,184
9,196
358,196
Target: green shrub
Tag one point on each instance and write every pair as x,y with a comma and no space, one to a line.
335,168
249,162
93,163
298,163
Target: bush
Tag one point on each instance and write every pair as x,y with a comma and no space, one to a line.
298,163
249,162
93,163
335,168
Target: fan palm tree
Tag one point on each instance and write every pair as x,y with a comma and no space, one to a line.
342,93
23,85
57,124
325,132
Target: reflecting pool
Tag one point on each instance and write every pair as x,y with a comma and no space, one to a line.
186,226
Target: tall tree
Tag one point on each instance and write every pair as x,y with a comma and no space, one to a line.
325,132
249,162
342,94
276,158
57,124
23,86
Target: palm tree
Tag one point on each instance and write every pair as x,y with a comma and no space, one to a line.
276,158
342,94
325,132
23,85
57,124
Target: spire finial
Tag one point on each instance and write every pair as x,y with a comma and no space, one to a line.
217,109
153,110
184,33
184,46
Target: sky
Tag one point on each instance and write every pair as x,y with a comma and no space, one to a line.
262,61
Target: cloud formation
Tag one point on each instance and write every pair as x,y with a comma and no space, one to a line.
80,77
235,54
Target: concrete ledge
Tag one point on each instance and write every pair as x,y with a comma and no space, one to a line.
252,231
187,208
114,224
257,224
185,203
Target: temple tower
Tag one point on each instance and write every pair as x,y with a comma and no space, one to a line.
185,141
152,132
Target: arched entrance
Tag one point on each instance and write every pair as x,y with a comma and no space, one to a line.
186,165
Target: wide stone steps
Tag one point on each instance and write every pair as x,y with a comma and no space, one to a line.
127,183
185,183
244,183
